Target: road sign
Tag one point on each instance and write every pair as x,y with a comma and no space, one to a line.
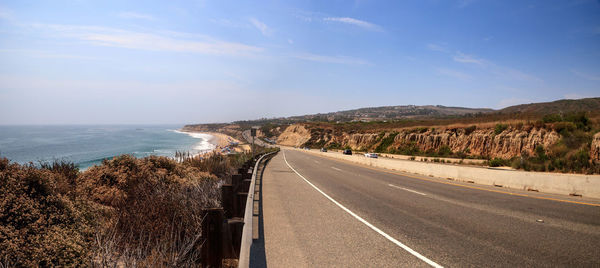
253,132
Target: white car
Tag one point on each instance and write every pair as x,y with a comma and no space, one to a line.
371,155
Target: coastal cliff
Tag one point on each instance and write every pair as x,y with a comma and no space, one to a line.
506,142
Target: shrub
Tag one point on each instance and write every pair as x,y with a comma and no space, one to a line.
499,128
155,207
516,163
470,129
386,142
551,118
407,149
580,119
334,145
563,127
124,212
444,151
497,162
540,153
40,224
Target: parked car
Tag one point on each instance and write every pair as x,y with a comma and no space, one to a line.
323,149
306,148
371,155
347,151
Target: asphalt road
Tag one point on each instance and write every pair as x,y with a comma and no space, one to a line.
445,223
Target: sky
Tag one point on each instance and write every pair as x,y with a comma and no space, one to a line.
203,61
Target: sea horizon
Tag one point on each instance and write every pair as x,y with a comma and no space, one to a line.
86,145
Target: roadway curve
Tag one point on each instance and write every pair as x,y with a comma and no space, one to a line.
449,224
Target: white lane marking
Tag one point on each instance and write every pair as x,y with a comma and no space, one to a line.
406,189
393,240
336,168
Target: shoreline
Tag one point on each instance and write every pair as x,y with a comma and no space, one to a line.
221,142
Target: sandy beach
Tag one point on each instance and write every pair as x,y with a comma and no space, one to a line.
221,141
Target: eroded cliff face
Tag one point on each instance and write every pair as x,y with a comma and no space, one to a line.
481,142
294,135
595,150
484,142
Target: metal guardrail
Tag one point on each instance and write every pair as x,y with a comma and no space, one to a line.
227,230
244,260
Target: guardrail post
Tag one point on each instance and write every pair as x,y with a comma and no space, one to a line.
227,200
212,232
241,205
236,181
246,184
235,228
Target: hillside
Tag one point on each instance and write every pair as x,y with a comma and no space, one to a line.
559,106
375,119
392,112
552,136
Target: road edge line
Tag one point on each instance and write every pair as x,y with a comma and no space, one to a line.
368,224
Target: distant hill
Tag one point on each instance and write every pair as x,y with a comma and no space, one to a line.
414,115
559,106
394,112
377,114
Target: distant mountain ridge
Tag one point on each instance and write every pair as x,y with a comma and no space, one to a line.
394,112
424,112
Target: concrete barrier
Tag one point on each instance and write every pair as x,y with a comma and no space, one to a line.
555,183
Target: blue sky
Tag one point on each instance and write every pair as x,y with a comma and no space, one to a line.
103,62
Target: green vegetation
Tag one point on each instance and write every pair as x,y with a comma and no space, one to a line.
124,212
386,142
497,162
470,129
499,128
569,154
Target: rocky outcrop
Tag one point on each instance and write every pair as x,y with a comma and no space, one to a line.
359,141
480,142
294,135
484,142
595,150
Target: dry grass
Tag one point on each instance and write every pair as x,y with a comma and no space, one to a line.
126,212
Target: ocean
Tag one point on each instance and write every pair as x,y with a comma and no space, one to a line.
88,145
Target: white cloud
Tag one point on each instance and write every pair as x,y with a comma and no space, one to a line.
134,15
46,54
593,77
454,73
512,74
163,41
497,70
356,22
435,47
331,59
263,28
463,58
